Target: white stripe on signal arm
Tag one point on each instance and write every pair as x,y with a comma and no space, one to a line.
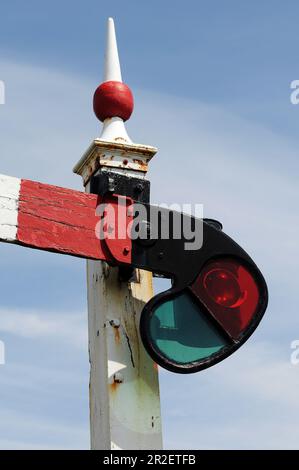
9,201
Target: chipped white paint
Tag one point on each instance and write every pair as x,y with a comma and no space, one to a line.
135,420
9,197
124,385
131,159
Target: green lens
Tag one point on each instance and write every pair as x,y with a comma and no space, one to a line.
183,332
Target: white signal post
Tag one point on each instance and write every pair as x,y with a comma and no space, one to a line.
124,385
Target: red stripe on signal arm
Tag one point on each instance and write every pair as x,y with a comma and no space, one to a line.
59,220
119,216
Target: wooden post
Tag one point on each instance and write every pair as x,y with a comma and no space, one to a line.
124,387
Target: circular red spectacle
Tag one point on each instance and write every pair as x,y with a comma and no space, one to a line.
230,293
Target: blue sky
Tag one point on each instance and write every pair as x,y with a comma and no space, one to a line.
212,88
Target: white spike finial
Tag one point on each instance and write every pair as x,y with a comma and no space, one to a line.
112,66
113,100
113,104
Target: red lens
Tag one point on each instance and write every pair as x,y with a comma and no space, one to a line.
229,292
223,287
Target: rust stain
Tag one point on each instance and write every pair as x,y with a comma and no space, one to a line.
135,164
116,335
106,158
141,163
117,380
114,386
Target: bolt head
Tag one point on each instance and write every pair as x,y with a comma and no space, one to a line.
115,323
126,250
118,378
138,188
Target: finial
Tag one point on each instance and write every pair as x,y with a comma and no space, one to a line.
113,100
113,104
112,70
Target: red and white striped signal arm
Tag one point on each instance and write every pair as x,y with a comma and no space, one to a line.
50,218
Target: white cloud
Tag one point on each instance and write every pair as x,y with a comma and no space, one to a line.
41,432
248,401
262,372
45,125
66,327
30,378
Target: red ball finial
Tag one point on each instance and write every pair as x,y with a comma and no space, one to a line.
113,99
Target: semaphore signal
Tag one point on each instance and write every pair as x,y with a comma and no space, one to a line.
217,297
